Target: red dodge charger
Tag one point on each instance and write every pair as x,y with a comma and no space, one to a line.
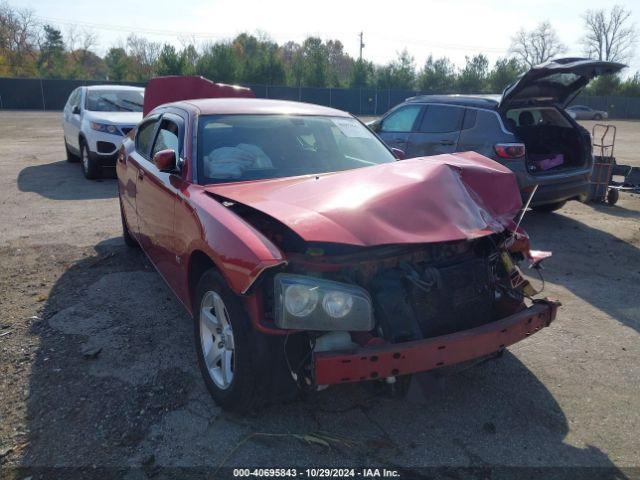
309,256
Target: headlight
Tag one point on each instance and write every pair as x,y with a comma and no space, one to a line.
310,303
106,128
300,300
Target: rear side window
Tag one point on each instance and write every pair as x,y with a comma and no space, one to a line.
401,120
441,119
74,98
144,137
470,116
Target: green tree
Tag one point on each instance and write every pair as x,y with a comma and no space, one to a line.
219,63
604,85
314,62
437,76
169,61
473,77
631,86
398,74
51,60
361,74
118,64
189,58
504,72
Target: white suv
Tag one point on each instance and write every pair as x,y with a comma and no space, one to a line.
95,120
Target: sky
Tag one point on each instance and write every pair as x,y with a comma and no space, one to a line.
454,28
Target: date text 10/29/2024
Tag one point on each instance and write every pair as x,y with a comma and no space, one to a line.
316,472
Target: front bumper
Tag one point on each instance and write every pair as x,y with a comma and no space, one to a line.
389,360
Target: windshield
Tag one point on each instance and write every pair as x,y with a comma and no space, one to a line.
252,147
114,100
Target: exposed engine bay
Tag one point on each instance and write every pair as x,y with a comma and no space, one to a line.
417,291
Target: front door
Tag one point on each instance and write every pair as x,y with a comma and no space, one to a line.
395,128
129,166
156,200
437,132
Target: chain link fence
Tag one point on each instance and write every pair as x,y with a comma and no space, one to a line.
49,94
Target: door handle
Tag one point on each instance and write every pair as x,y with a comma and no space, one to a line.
140,175
446,142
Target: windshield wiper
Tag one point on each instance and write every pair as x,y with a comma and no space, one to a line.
133,103
115,104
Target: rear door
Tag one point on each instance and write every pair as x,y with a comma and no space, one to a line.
156,198
71,123
437,132
395,128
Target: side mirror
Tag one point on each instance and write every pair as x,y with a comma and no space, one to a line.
399,154
375,126
76,110
165,160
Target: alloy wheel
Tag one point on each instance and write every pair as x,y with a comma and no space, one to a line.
217,341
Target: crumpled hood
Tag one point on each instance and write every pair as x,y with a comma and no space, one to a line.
421,200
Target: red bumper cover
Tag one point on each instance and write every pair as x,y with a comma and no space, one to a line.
382,361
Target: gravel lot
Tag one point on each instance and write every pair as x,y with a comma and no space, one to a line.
567,397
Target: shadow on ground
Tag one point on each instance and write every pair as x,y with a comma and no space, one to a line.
64,181
115,384
601,269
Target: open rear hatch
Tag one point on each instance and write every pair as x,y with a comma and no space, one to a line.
556,82
530,108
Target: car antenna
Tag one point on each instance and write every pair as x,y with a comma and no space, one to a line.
525,207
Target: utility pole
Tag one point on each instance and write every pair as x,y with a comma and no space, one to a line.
361,45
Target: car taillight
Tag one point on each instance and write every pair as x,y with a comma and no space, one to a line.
510,150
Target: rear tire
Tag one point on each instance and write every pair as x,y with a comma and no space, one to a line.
71,157
90,169
242,368
548,207
597,116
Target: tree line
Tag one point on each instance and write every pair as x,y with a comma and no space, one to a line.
28,49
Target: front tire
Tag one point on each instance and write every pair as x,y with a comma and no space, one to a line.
71,157
129,240
90,169
241,367
548,207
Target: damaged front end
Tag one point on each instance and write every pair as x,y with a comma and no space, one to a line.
392,269
362,313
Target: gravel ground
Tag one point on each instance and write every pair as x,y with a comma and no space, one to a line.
97,366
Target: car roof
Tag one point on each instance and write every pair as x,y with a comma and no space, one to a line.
479,101
260,106
113,87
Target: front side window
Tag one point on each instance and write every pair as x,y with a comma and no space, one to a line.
441,119
253,147
144,137
114,100
401,120
167,138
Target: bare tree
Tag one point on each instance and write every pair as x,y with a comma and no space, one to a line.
144,54
19,37
536,46
609,35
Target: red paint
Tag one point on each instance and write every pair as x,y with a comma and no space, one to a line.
381,361
174,88
422,200
431,199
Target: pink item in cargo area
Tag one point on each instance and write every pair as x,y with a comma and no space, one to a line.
550,162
